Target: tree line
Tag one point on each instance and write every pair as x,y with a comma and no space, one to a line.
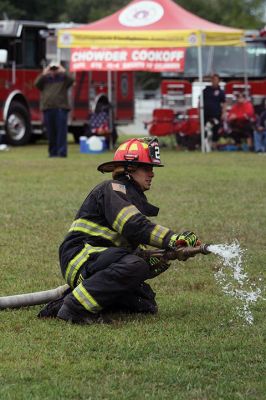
245,14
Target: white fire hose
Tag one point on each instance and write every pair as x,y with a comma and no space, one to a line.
44,297
32,299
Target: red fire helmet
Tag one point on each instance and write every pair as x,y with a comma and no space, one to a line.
144,151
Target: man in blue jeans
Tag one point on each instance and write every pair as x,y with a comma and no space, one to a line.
53,84
214,108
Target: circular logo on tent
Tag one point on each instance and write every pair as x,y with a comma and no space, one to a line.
66,39
141,14
192,39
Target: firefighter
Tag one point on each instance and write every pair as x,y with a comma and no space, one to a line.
98,255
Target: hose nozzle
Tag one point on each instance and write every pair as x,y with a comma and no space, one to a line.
183,253
204,248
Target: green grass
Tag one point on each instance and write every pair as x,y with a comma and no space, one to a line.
196,348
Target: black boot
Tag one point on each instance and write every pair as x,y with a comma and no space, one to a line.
68,314
51,309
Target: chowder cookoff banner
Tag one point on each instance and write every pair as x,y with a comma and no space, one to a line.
128,59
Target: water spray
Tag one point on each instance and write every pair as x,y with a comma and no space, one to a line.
234,280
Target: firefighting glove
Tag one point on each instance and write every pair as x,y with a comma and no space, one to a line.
184,239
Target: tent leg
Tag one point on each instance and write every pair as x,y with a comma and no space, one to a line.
201,98
110,97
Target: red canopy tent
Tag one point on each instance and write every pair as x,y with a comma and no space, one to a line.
146,35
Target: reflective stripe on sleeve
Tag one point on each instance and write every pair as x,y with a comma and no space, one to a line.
91,228
85,299
123,216
157,235
77,262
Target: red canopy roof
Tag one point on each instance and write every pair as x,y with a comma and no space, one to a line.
150,23
160,27
166,14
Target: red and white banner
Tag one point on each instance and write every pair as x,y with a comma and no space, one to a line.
128,59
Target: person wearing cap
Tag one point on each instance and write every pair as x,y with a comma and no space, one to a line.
98,255
53,84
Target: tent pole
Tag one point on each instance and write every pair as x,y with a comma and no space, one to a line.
58,54
109,85
246,90
200,75
110,97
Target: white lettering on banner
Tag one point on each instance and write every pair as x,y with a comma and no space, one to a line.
133,65
166,66
97,65
134,59
79,66
156,55
97,55
113,66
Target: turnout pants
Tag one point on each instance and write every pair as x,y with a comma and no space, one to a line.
113,281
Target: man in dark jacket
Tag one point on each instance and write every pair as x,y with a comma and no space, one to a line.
214,107
53,84
98,256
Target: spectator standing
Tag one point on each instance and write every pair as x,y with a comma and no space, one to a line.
214,107
53,84
259,134
241,118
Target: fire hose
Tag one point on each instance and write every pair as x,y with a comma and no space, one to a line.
43,297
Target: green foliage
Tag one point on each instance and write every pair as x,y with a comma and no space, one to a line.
196,347
8,10
32,10
247,14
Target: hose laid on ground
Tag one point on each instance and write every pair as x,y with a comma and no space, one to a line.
32,299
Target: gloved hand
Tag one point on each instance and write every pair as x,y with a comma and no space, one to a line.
184,239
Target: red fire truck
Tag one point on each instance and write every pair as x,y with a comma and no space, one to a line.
240,69
25,47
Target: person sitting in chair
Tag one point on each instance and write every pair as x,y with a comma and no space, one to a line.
240,119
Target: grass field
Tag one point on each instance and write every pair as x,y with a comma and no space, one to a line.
197,347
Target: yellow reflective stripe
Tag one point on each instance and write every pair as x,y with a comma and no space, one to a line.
91,228
123,216
76,263
85,299
157,235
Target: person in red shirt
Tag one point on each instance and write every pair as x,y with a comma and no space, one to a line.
241,118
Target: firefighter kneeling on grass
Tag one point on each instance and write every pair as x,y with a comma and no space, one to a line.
99,256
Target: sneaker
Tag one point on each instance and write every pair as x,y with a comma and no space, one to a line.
67,314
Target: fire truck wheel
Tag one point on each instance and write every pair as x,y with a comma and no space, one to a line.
18,128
